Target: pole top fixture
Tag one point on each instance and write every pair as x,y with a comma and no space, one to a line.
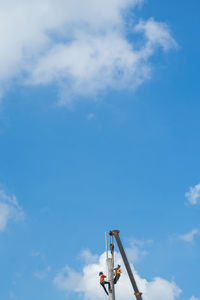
114,232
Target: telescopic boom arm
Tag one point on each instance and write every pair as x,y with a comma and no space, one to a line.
115,233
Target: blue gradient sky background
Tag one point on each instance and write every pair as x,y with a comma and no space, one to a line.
123,161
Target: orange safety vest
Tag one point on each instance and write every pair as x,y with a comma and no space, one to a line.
118,270
102,277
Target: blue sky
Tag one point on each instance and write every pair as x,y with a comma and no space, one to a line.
93,142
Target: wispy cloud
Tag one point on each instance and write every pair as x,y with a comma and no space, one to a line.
12,295
83,47
194,298
42,274
38,254
193,195
87,283
9,210
137,249
88,257
91,116
189,237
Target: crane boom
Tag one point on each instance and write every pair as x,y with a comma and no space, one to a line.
115,233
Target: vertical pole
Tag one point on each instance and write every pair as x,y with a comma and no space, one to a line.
110,278
110,266
106,240
112,271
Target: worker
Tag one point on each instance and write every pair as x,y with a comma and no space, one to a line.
103,282
118,272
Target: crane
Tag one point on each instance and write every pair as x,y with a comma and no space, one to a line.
115,233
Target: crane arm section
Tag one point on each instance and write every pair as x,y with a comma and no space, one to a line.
115,233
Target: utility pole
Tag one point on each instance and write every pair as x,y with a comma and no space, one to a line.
110,266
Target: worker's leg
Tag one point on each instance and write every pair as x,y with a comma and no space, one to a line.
116,278
104,287
107,282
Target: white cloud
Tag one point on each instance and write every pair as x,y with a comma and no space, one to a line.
189,237
156,33
68,279
88,257
136,250
193,195
194,298
87,283
82,46
9,210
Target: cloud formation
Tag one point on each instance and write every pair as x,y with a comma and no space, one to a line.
189,237
136,251
86,283
9,210
83,47
193,195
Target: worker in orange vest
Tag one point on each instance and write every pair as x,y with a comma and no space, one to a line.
118,272
103,282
